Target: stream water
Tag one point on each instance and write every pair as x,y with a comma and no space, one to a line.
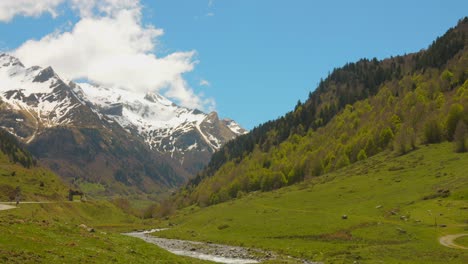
206,251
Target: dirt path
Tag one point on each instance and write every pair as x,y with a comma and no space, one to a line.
6,207
12,205
448,241
31,202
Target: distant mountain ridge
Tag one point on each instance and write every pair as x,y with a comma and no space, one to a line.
104,136
187,135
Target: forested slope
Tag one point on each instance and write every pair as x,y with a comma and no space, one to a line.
21,175
358,111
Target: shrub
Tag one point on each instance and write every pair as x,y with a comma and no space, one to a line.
405,140
273,180
385,137
432,132
454,115
362,155
461,137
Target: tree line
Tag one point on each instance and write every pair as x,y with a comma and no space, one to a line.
10,146
358,111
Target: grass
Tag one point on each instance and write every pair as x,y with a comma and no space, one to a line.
462,241
36,183
89,188
396,209
51,233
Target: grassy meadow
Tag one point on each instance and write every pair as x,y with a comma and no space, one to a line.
36,183
396,206
51,233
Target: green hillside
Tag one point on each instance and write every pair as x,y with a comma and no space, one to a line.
360,110
19,170
54,233
48,231
397,207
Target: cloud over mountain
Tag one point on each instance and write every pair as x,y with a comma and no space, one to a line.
110,45
11,8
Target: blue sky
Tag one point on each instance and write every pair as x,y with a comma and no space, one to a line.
256,59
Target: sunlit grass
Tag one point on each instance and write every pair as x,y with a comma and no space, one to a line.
396,209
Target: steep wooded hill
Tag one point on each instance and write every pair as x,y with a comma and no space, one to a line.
21,175
358,111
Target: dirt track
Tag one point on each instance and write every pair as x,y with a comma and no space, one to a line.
448,241
6,207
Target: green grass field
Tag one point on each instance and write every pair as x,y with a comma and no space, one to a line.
36,183
462,241
397,207
50,233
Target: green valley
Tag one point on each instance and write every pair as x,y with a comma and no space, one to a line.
396,207
47,228
122,164
64,232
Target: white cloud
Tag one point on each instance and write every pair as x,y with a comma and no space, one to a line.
34,8
110,46
204,82
86,8
210,3
89,8
210,14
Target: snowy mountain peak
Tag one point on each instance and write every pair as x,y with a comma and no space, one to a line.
8,61
234,127
156,98
188,136
34,99
45,74
162,124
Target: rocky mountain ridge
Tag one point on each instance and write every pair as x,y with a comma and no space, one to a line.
103,135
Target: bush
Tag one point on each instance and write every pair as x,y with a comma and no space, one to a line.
150,211
386,137
273,180
461,137
362,155
432,132
454,115
165,208
405,140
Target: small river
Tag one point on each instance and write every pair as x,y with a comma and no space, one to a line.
205,251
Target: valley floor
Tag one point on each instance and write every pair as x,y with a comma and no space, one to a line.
396,210
65,232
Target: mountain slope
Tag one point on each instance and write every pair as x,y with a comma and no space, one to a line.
113,138
188,136
396,208
20,173
73,139
358,111
345,85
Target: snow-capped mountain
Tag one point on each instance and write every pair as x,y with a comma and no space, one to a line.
106,135
184,134
37,92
